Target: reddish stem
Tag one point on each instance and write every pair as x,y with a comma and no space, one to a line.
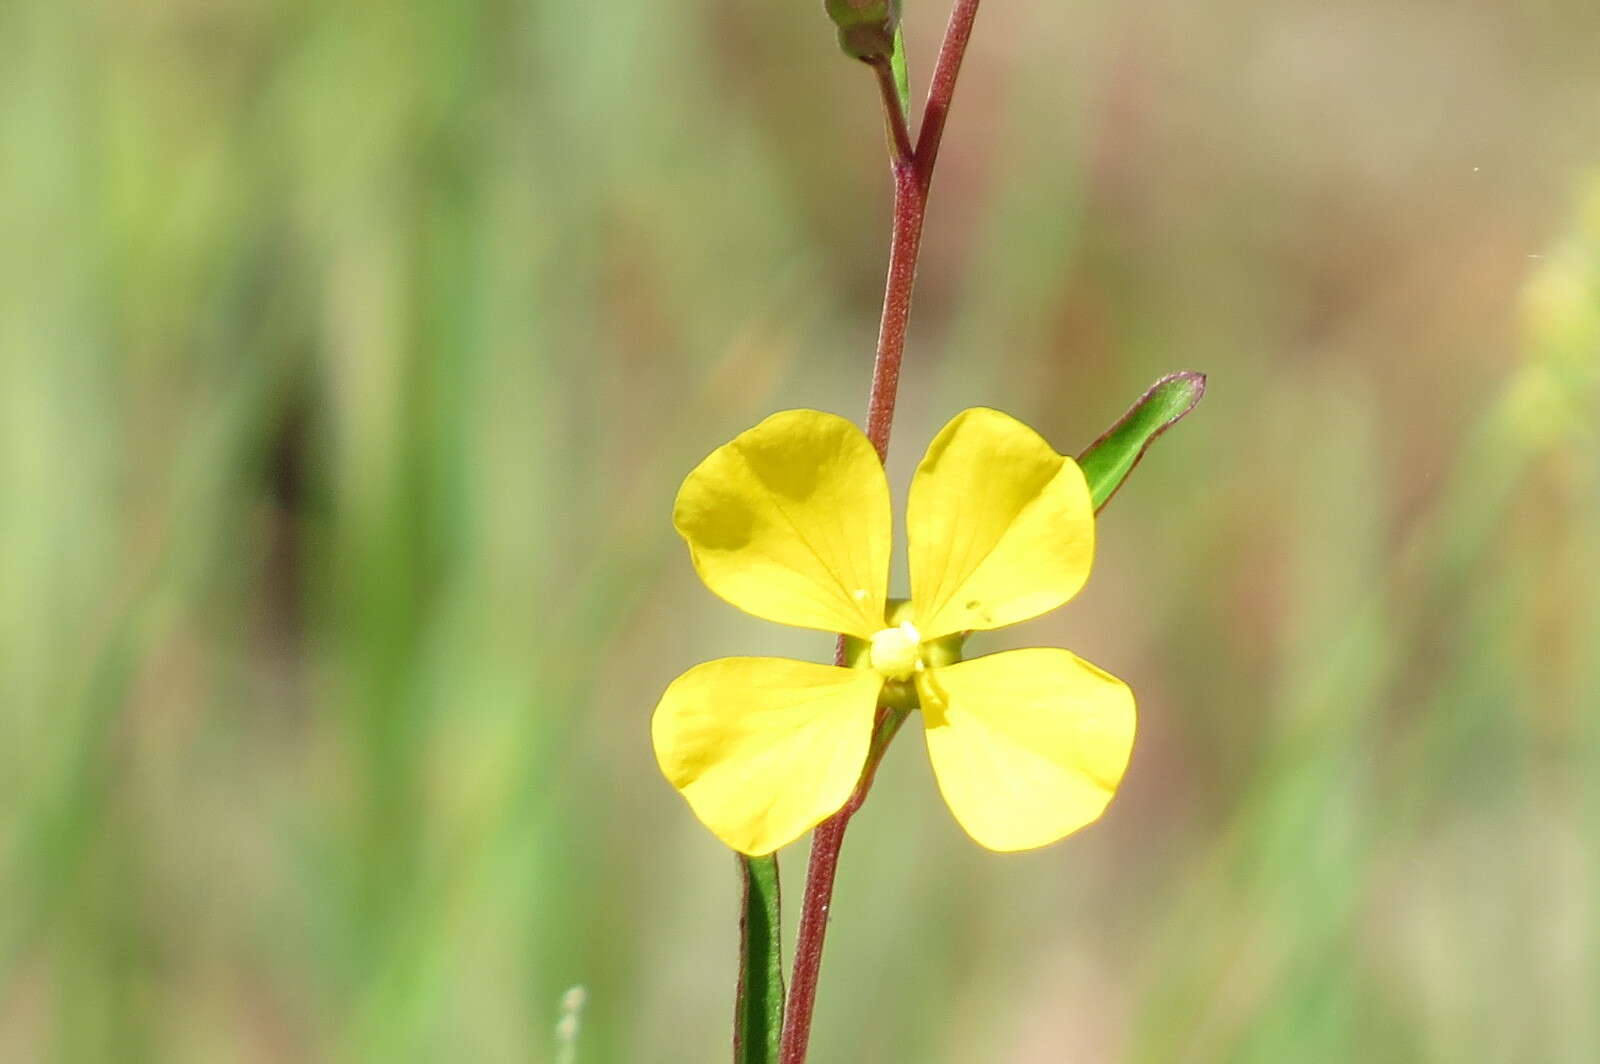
910,204
825,843
943,88
894,112
913,176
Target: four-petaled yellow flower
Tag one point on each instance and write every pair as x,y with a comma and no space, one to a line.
791,522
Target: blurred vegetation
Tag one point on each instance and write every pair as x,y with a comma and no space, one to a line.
350,354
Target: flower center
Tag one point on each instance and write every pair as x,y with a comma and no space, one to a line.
895,651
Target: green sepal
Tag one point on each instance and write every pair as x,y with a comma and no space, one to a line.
1108,461
758,1008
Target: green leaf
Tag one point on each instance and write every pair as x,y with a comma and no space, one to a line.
758,1010
1108,461
902,79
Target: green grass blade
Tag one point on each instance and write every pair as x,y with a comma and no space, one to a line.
1108,461
758,1012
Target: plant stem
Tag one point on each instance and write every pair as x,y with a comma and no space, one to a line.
943,89
901,150
913,176
825,843
910,204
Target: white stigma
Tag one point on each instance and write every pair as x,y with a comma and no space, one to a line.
895,651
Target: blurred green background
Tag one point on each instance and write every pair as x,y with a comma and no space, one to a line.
351,354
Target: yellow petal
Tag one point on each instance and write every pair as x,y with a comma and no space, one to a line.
765,748
1001,527
790,522
1027,745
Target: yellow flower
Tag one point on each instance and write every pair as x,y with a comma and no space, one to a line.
791,522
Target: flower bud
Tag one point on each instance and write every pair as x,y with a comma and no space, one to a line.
866,27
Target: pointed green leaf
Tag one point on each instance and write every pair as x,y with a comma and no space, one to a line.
758,1010
902,78
1108,461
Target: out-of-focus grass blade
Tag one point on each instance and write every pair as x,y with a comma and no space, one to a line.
758,1012
1108,461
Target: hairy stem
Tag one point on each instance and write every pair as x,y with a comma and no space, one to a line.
913,177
